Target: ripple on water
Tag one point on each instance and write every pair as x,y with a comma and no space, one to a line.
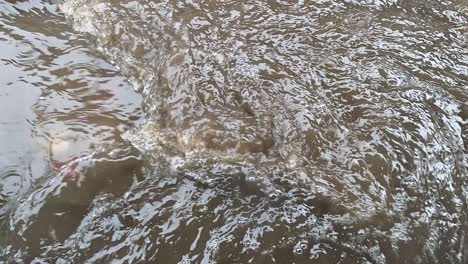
277,132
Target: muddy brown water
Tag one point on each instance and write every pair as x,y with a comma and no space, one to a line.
331,131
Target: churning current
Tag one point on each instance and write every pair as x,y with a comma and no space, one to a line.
327,131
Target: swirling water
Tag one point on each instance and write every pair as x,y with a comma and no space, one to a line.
331,131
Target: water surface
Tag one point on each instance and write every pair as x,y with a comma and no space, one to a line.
59,101
275,132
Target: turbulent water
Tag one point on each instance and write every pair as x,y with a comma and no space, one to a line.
331,131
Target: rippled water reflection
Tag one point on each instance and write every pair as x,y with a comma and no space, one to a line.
276,132
58,101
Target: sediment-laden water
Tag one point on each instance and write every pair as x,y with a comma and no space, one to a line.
275,132
59,101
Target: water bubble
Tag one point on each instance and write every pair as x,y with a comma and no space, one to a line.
300,247
298,251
